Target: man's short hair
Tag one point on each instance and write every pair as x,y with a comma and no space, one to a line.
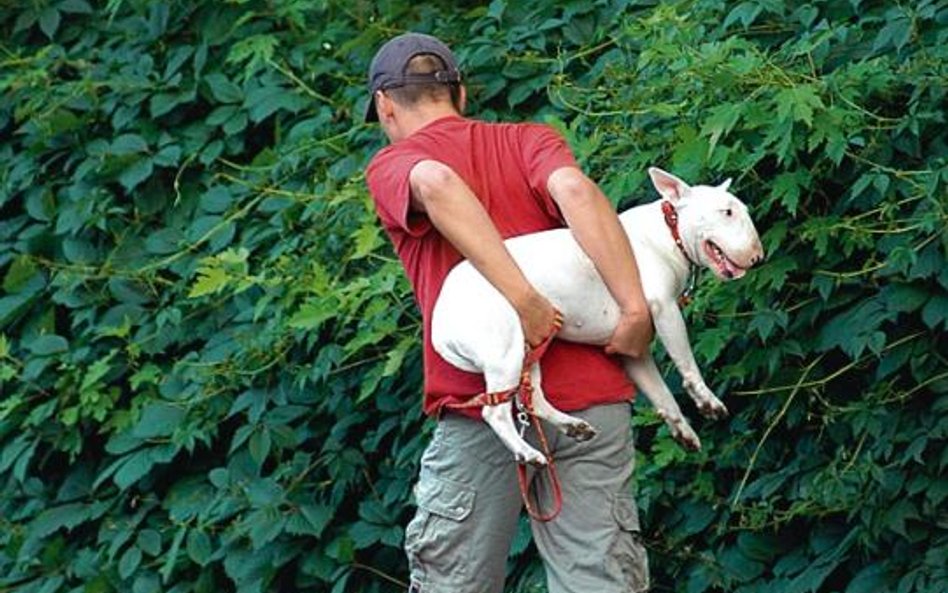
411,95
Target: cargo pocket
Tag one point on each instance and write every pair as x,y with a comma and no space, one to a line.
438,539
627,557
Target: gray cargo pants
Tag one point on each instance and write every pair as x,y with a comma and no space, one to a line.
469,502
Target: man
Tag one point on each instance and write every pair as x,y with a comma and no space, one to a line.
448,188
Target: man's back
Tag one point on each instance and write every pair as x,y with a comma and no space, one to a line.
507,167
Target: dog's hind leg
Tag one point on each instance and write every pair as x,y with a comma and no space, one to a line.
646,377
500,377
568,425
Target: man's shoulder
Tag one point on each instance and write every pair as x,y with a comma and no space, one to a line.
520,127
393,155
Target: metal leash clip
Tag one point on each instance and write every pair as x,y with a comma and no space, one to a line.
522,418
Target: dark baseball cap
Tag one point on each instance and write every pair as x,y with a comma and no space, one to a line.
388,66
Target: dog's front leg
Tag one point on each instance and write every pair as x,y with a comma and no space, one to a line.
670,327
645,374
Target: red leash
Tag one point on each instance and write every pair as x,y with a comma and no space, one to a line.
525,400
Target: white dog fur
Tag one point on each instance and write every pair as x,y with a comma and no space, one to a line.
475,329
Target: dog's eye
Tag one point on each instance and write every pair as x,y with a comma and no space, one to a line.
729,212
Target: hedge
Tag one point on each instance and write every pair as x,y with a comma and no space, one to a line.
209,356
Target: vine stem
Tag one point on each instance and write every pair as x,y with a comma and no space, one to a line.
206,236
795,389
299,82
383,575
786,406
840,371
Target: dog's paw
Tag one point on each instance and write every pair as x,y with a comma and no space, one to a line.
682,432
530,456
580,430
712,408
707,403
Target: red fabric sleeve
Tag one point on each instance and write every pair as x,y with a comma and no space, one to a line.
545,151
388,179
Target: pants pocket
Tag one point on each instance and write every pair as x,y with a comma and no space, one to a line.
438,539
627,556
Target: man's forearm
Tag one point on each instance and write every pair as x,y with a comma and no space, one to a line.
596,227
459,216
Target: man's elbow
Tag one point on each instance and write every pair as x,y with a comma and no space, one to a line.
429,181
570,187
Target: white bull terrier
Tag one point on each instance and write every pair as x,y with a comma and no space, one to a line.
476,329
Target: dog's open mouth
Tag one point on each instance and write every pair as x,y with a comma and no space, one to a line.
724,266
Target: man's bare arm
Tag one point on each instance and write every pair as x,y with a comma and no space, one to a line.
596,227
460,217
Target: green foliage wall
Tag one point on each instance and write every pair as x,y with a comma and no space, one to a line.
209,359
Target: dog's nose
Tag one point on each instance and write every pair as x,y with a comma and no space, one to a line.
758,258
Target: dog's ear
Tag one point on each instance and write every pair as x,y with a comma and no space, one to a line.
670,187
726,185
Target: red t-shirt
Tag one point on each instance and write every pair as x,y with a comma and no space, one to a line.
507,167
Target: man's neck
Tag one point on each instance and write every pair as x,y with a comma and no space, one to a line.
417,118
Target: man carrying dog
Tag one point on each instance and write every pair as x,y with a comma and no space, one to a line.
449,188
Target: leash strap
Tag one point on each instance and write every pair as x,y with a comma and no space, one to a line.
526,400
532,357
524,391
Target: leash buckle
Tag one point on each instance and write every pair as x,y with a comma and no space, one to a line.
523,419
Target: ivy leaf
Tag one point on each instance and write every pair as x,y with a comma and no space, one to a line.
318,517
48,344
871,579
797,103
787,188
223,89
129,562
210,280
255,49
199,547
719,122
128,144
312,314
896,517
935,311
137,172
367,240
75,6
745,12
149,541
896,33
146,582
65,516
159,419
263,101
49,21
260,445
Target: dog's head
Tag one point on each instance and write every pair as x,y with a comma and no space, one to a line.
715,227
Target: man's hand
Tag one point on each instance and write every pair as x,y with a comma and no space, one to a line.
536,318
633,334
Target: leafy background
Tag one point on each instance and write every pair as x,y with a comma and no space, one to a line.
209,359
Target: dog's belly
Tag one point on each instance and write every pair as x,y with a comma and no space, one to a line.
559,269
471,318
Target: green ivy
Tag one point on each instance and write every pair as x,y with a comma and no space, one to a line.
209,356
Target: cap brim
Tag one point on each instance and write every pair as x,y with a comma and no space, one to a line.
371,115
